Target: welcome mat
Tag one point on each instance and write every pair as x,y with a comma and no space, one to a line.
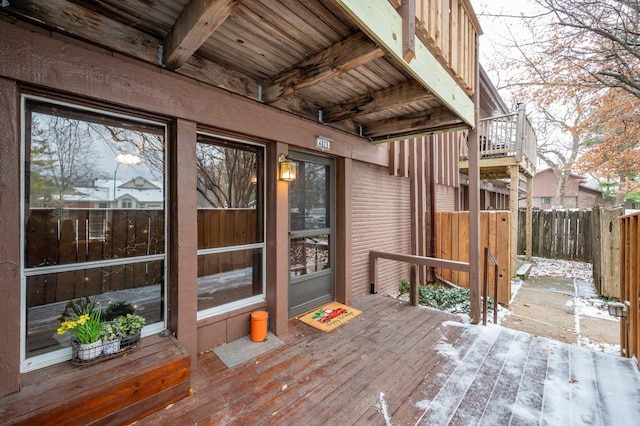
330,316
243,349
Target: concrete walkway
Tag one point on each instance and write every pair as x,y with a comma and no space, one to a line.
555,307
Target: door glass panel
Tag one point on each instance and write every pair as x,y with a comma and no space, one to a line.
309,254
309,197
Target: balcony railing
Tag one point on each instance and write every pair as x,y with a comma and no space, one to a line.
509,135
449,28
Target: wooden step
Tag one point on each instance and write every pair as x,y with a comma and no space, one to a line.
115,391
524,270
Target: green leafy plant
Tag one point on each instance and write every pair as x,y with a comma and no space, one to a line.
112,330
436,296
404,287
132,323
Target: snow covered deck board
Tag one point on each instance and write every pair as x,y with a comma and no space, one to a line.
397,364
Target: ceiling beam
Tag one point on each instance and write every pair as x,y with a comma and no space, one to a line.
376,101
417,123
198,20
343,56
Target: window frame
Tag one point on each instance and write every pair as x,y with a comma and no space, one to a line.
60,355
242,303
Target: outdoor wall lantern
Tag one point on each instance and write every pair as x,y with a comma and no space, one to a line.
617,309
288,169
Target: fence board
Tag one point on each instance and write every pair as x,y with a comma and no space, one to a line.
495,229
629,288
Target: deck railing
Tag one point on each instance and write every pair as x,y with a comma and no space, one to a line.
450,28
629,285
507,135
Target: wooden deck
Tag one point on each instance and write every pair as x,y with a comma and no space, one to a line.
397,364
111,392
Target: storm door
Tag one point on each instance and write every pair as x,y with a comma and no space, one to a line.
311,200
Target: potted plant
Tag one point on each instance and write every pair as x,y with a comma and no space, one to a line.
112,332
131,326
82,319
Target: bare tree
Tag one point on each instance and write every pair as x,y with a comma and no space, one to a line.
61,154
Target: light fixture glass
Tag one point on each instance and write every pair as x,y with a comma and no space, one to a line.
288,169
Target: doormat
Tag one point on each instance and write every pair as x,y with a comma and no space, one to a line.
243,349
330,316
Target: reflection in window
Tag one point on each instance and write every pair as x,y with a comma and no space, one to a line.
78,166
230,222
309,206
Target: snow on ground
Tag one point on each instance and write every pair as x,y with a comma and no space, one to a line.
586,302
561,268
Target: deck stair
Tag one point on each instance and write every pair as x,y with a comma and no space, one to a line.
524,270
115,391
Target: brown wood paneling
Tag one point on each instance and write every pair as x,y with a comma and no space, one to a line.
10,224
381,220
453,244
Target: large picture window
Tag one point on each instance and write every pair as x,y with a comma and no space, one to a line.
94,219
230,224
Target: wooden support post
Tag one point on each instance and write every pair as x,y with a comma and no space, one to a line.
474,205
413,285
513,207
373,273
528,219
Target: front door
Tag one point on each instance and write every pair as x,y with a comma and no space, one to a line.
311,282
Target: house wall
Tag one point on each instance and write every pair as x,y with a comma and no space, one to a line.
52,63
381,219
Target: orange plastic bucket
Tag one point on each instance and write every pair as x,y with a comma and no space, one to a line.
259,326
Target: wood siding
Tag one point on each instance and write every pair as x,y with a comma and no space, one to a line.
381,220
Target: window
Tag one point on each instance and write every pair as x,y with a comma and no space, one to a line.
231,245
546,200
127,203
77,242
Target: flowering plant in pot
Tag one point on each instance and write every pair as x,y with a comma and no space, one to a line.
82,319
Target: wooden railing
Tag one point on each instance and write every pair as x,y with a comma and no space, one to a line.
508,135
629,288
450,28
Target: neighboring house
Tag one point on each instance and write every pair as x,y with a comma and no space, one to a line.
576,193
217,113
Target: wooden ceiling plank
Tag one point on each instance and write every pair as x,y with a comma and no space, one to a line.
80,22
118,37
377,101
196,23
343,56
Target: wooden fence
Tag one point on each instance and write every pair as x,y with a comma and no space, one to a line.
629,288
452,236
588,235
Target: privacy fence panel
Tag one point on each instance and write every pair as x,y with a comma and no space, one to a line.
588,235
453,244
630,290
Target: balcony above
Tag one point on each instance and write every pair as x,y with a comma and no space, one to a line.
379,69
505,141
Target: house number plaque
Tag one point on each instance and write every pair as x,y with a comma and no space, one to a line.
323,143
